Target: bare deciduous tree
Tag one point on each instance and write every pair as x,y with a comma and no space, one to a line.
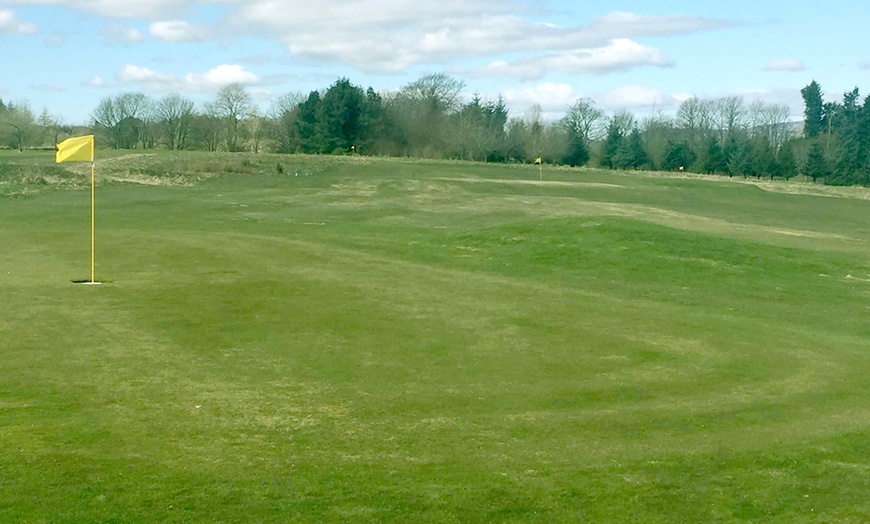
585,119
175,114
730,116
123,118
18,120
283,114
232,104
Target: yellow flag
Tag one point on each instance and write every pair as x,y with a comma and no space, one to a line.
538,160
75,149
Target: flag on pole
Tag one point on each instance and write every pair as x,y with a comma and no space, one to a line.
538,161
81,149
75,149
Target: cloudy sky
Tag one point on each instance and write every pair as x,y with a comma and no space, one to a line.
65,55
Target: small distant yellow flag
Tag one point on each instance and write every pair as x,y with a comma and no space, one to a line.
75,149
538,161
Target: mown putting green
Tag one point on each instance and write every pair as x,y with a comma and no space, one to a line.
298,339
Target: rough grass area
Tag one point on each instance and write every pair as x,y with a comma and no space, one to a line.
328,339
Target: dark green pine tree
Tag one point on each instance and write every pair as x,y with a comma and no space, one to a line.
814,112
853,142
739,158
340,116
817,165
788,167
677,155
714,158
611,145
496,120
371,121
577,153
763,159
631,153
635,153
306,124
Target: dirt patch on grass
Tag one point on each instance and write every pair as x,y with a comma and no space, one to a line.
689,221
123,157
791,187
150,180
543,183
670,218
804,188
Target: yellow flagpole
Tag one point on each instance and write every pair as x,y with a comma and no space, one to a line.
93,213
73,150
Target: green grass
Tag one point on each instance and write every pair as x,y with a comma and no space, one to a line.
408,341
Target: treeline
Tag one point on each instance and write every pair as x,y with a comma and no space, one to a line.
428,118
20,129
838,135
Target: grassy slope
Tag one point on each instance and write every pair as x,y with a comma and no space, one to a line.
385,340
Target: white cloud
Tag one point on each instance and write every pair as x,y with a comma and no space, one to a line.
790,97
630,24
119,8
131,74
553,98
864,65
390,36
11,24
634,97
556,98
96,82
177,31
209,81
393,36
219,77
784,64
119,33
620,55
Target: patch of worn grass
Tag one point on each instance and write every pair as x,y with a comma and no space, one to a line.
381,340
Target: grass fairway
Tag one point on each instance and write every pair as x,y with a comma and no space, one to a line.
384,340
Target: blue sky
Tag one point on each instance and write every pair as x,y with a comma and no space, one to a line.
65,55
